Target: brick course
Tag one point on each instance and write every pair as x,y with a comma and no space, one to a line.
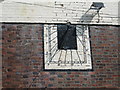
22,57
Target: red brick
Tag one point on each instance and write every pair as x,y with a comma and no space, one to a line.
104,52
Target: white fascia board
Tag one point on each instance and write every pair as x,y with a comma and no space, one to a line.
47,11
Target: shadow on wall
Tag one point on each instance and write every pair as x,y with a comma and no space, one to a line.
88,16
1,1
92,12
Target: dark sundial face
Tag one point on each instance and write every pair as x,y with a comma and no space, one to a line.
67,37
66,47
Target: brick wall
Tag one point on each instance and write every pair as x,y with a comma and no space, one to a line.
22,57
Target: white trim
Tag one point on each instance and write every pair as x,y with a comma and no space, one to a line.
51,12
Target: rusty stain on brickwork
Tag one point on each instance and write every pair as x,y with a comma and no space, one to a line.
24,11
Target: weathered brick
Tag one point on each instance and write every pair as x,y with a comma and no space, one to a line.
22,56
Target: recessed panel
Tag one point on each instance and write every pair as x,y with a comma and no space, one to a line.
66,37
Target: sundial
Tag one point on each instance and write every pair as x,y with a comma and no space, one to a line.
67,47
